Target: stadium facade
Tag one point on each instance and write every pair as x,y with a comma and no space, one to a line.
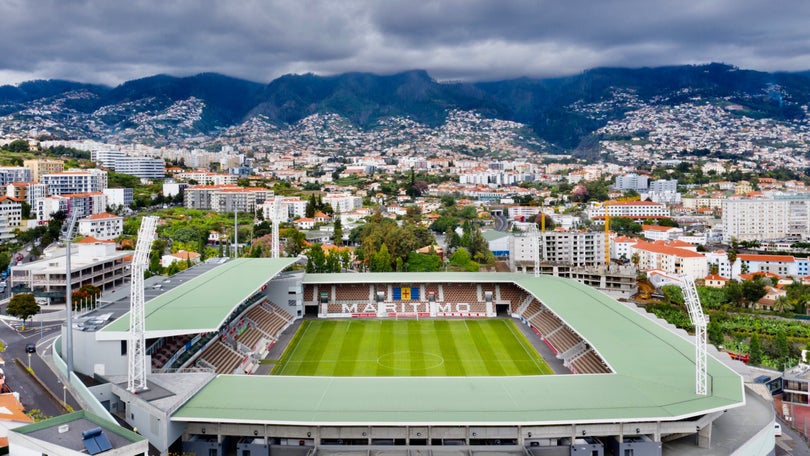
628,380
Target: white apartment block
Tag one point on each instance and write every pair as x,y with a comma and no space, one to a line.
702,202
9,174
525,212
781,265
661,233
621,247
119,196
85,203
103,226
577,248
208,178
766,219
11,211
172,189
295,208
71,182
121,162
239,199
632,182
27,191
225,198
630,209
6,230
343,202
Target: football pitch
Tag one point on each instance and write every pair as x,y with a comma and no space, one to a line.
386,348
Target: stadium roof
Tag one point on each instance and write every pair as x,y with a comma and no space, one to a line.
202,304
653,379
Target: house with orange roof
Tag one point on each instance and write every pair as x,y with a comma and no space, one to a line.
715,281
305,223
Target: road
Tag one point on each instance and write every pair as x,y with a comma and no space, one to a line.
32,395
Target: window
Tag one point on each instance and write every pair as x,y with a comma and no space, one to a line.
628,452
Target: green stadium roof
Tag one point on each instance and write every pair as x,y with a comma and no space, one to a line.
203,303
653,379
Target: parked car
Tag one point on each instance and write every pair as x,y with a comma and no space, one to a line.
30,348
777,430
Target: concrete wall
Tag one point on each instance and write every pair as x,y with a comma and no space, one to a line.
279,291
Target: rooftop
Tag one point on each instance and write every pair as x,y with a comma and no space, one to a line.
78,423
203,303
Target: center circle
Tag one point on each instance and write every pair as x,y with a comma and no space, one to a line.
390,360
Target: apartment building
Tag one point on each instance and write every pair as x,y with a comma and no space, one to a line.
225,198
103,226
85,203
9,174
638,210
71,182
122,197
92,262
574,248
672,257
765,219
343,202
11,211
26,191
207,178
40,168
294,208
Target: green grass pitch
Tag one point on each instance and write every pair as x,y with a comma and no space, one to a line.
437,348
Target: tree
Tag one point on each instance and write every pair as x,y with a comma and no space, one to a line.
23,306
782,348
381,260
782,304
635,258
755,350
318,257
753,291
338,239
715,333
296,240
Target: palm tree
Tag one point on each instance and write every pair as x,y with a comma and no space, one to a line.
782,304
635,258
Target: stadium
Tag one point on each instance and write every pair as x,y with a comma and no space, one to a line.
248,357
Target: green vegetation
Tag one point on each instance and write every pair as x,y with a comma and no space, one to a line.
23,306
410,348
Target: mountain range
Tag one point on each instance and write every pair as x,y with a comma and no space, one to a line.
562,111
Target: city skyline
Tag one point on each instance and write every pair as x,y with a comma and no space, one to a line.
110,43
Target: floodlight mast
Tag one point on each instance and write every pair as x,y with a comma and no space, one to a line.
136,374
701,322
276,248
74,215
534,237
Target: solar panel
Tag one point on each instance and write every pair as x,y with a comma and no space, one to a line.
95,441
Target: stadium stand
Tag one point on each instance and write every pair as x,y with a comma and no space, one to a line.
350,293
222,357
459,292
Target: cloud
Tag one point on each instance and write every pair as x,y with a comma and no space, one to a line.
110,42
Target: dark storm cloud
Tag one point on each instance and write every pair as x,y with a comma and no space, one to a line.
103,41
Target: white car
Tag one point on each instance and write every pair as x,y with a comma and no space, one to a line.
777,430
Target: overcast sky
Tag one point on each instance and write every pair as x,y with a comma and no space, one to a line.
108,41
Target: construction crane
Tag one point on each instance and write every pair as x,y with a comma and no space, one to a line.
136,375
606,205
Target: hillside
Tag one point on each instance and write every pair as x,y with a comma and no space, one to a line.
569,113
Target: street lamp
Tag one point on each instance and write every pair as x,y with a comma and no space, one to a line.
64,394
